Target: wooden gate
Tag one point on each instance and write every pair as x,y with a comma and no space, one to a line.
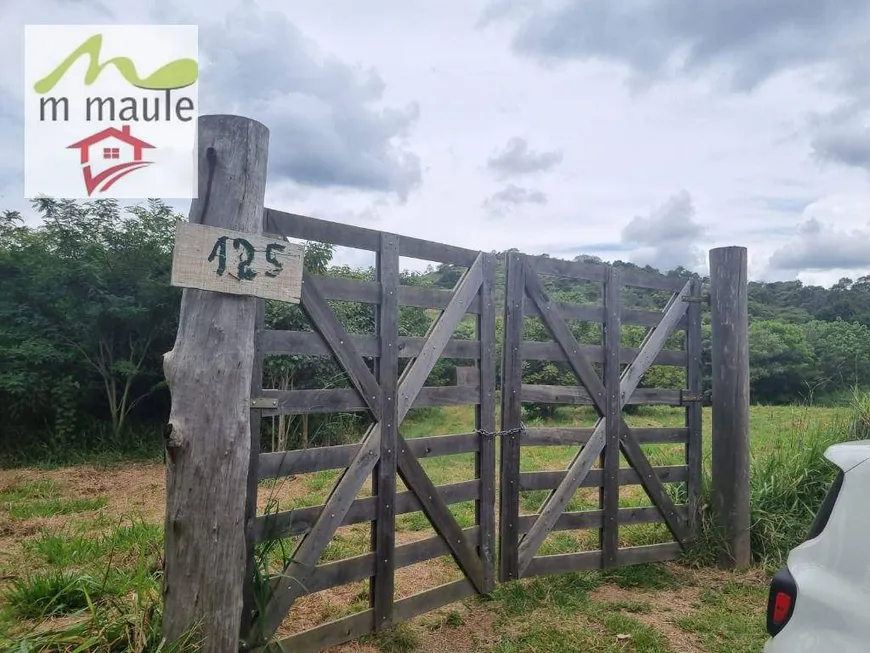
521,536
383,451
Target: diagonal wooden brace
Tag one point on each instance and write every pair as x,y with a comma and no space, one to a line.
582,464
291,583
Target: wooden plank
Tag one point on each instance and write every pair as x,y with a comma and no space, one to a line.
582,463
324,231
551,351
350,570
484,419
223,260
249,606
729,323
511,415
694,380
594,313
341,345
304,461
208,453
653,486
654,342
301,520
324,636
595,478
384,478
609,494
415,375
570,269
575,395
369,292
439,514
298,402
292,580
580,436
587,560
586,519
429,600
562,335
311,343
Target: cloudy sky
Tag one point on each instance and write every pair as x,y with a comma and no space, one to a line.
644,131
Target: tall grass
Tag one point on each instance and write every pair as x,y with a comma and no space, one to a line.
789,479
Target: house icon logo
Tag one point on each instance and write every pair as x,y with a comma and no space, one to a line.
109,155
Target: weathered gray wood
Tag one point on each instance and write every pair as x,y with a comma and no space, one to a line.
592,313
484,419
609,494
292,581
250,607
582,463
551,351
208,447
562,335
305,228
583,519
694,380
301,520
653,486
597,272
415,375
511,415
299,402
580,436
575,395
339,342
350,570
348,628
368,292
311,343
439,514
429,600
304,461
729,319
587,560
384,528
654,342
595,478
570,269
204,257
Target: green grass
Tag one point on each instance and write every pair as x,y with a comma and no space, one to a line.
106,576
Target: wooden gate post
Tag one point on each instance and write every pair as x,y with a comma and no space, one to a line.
729,321
209,374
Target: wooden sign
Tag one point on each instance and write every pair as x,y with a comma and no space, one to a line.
220,260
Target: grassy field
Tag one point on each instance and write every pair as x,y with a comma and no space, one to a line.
80,554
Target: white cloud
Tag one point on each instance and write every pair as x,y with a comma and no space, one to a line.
387,115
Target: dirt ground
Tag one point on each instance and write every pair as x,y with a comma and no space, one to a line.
136,491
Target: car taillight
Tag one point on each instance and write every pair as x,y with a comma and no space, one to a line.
780,602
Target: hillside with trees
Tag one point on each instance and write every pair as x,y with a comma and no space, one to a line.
86,313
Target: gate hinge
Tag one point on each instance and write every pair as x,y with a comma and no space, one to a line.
263,402
686,397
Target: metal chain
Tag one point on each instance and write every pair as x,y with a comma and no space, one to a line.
514,431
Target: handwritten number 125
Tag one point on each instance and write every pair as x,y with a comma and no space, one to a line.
246,257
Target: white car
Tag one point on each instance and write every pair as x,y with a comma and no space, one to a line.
819,601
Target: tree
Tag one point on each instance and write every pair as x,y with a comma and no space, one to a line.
782,363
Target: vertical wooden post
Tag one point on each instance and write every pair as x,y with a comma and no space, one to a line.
484,419
694,382
729,321
609,492
384,476
209,372
511,415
